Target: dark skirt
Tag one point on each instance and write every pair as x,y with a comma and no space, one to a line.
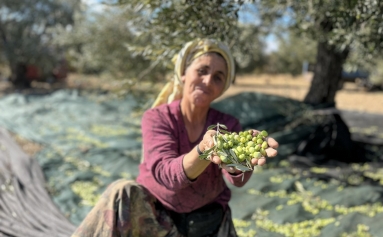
128,209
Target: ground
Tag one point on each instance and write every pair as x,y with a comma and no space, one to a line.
351,97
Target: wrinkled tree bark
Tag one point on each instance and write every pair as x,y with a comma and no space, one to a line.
327,75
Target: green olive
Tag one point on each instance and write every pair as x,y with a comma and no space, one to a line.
239,149
264,133
224,159
263,152
257,155
241,157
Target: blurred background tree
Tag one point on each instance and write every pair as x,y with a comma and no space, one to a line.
134,41
99,44
169,24
27,30
293,50
248,49
338,26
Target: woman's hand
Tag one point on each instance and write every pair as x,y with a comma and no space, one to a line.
270,151
207,143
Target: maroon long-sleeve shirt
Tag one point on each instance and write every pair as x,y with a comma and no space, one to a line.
165,142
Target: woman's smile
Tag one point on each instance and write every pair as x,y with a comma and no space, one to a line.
203,90
204,80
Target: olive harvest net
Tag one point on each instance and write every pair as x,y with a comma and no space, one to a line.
325,180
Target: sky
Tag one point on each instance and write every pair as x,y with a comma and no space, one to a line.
271,44
248,14
94,5
245,16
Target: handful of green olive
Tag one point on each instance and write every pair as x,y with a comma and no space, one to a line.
237,149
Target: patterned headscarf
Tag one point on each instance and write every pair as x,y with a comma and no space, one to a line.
192,50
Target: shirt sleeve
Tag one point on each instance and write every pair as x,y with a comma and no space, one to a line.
161,150
237,180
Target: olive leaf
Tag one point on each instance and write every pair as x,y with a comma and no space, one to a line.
226,152
234,156
248,163
225,139
222,126
211,127
232,160
206,154
209,150
215,140
203,156
239,167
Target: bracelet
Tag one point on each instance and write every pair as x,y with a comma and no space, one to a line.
198,150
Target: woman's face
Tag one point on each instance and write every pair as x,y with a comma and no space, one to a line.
204,80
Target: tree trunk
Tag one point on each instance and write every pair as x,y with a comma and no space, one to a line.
327,75
18,76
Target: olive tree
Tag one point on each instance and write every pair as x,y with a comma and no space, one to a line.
339,26
169,24
136,40
98,43
26,32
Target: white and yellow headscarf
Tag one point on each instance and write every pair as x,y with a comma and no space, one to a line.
192,50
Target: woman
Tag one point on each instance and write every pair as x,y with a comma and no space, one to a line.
176,193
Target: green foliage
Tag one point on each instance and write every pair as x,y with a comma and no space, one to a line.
248,49
372,65
339,27
98,43
356,24
169,24
136,40
292,52
26,30
376,75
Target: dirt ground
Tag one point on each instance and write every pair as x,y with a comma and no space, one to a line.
350,98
